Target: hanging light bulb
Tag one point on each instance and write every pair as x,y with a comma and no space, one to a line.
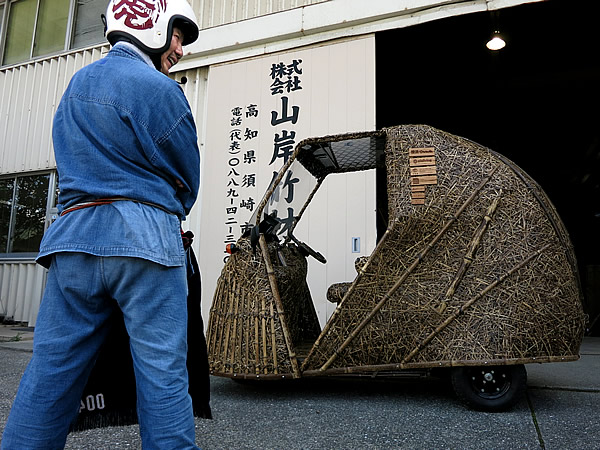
496,42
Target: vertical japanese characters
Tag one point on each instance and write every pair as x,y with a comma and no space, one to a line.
286,78
244,154
241,169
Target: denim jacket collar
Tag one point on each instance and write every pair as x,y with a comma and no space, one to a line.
129,47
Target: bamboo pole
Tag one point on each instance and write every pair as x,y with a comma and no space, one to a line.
279,305
274,340
247,328
228,326
234,333
389,369
299,215
470,254
256,337
263,322
275,183
213,330
217,342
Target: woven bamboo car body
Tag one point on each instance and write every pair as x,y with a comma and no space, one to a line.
475,268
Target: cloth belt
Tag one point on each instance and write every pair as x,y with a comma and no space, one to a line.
108,201
186,237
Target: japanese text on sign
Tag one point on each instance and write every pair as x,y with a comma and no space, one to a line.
285,78
240,170
243,158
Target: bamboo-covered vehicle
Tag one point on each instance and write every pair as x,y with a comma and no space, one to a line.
475,272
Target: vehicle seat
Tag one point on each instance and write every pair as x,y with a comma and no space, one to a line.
336,291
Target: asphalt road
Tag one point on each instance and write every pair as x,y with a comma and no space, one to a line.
559,411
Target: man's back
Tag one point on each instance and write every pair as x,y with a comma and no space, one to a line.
125,130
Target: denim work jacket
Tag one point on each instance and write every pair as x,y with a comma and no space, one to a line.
123,129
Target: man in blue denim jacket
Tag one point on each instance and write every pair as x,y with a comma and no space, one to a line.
128,162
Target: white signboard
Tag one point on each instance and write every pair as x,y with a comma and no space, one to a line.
257,111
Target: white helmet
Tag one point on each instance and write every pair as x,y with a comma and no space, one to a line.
149,23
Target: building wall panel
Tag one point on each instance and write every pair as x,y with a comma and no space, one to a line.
21,288
30,94
212,13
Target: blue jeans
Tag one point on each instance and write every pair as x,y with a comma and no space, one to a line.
72,325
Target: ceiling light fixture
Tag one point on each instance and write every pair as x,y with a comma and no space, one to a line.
496,42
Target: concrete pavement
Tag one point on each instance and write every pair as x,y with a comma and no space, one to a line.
16,337
560,411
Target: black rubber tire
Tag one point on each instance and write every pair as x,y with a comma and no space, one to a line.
491,389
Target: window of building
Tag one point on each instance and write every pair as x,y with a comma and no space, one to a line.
26,206
19,31
34,28
88,25
51,29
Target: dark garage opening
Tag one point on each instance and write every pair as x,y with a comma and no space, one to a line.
535,101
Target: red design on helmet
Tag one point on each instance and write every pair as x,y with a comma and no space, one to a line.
149,23
139,14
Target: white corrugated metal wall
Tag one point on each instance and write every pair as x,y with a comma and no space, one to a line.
29,96
211,13
21,287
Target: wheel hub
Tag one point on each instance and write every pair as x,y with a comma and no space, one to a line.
490,383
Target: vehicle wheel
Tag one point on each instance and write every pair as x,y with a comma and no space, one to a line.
494,388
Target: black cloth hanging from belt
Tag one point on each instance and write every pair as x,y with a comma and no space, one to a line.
109,397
